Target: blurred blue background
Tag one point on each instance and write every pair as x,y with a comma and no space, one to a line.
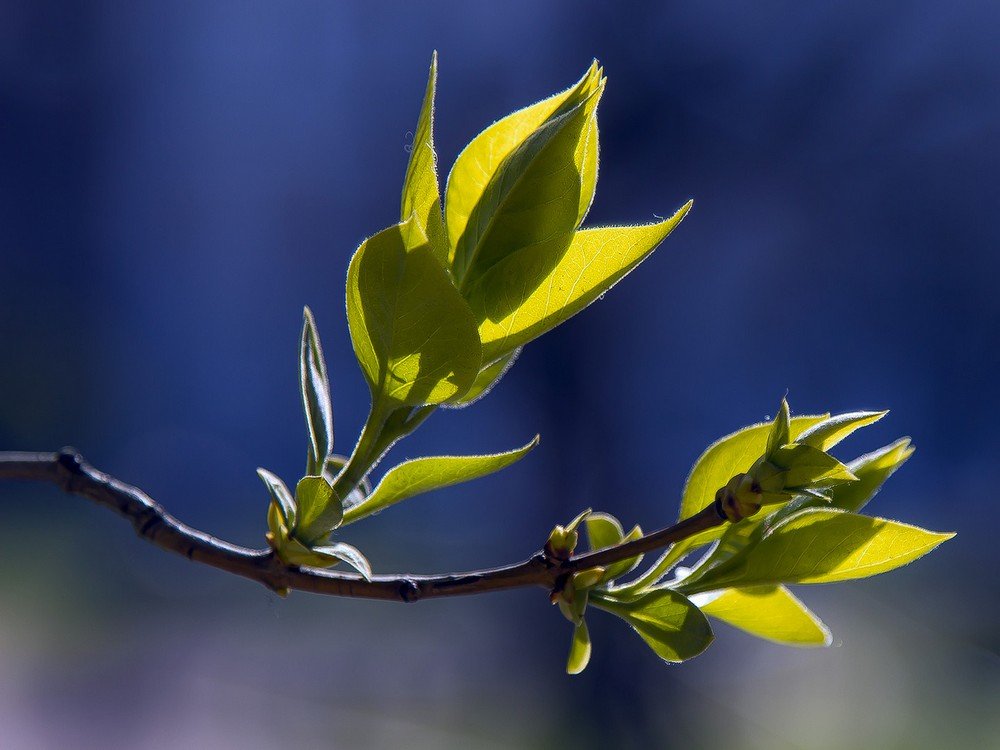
178,179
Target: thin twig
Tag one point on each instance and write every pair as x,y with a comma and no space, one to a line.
68,470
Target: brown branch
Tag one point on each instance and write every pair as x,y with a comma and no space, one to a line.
69,471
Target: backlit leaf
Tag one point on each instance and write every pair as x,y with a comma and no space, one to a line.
780,431
532,200
821,545
315,387
669,624
319,510
872,470
770,612
422,475
485,380
342,552
604,530
829,432
479,161
579,650
809,467
724,459
530,293
421,196
413,334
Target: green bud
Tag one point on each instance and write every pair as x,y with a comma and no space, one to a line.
563,539
561,543
740,498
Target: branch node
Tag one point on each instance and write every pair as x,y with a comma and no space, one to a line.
70,461
409,591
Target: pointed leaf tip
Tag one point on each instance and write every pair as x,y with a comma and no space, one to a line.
421,475
833,430
771,612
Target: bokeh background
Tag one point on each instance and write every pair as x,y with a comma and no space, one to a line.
178,179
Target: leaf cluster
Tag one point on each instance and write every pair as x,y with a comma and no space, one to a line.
439,305
811,530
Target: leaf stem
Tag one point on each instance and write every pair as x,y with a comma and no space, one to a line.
386,424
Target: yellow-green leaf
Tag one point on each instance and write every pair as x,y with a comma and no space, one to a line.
421,195
724,459
422,475
480,160
808,467
488,377
579,650
780,433
823,545
872,470
669,624
829,432
533,199
604,530
587,159
527,294
769,612
413,334
319,509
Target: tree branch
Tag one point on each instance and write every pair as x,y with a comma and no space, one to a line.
68,470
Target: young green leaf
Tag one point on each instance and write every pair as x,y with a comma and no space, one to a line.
771,612
579,650
587,159
284,502
488,377
829,432
315,387
527,294
724,459
413,334
669,624
872,470
806,466
821,545
604,530
421,196
534,197
780,431
342,552
479,162
320,511
425,474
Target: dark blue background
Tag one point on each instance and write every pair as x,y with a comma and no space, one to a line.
178,179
